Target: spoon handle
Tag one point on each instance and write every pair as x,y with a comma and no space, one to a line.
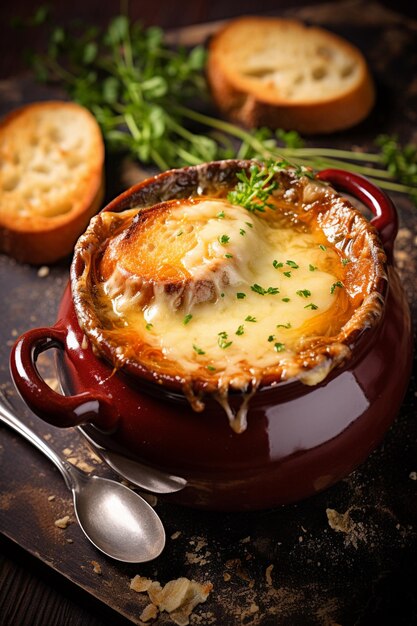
14,422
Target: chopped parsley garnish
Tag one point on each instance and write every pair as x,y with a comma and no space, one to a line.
250,318
180,233
311,306
303,293
187,318
276,264
249,224
286,299
223,239
228,256
222,340
258,289
240,295
197,349
149,326
221,215
271,338
312,268
287,274
293,265
287,325
346,261
240,330
279,347
263,292
335,285
211,368
242,231
322,247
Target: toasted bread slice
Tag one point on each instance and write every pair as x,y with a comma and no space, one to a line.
283,74
51,179
174,251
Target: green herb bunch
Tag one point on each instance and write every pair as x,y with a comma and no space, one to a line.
144,93
132,82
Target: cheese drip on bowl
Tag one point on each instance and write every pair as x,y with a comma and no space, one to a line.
226,294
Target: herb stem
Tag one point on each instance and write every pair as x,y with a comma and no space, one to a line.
132,126
336,153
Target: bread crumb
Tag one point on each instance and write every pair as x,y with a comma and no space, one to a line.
149,612
227,577
62,522
51,498
340,522
176,535
47,437
70,541
413,475
154,592
268,576
67,451
178,597
140,583
96,567
173,594
197,559
43,271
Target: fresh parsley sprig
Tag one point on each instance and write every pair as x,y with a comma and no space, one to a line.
254,190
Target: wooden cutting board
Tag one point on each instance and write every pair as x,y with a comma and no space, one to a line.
286,566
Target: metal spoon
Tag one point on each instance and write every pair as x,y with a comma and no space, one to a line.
114,518
143,476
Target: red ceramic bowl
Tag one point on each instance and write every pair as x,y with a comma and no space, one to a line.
299,439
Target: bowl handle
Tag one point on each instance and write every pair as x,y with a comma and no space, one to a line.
385,220
54,408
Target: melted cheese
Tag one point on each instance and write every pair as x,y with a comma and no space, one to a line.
237,335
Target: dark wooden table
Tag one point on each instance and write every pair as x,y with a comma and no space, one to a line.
363,576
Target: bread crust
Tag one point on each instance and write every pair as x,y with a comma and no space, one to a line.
254,96
51,179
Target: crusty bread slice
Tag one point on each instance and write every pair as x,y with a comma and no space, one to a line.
51,179
283,74
148,255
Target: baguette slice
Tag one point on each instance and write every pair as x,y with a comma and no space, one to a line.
283,74
51,179
172,251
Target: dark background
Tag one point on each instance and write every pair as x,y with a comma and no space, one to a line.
165,13
30,592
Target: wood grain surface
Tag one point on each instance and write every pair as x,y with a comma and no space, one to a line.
281,567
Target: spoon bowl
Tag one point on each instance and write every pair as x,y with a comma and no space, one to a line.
147,478
115,519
